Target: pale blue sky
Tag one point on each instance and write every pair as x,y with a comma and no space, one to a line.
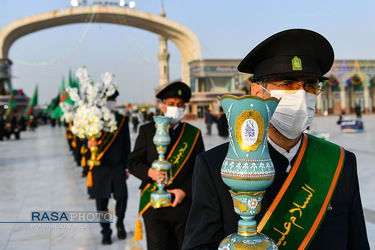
226,30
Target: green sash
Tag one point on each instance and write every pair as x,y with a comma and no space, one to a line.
178,156
300,206
107,138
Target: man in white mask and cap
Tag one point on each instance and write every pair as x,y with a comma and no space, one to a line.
165,226
290,66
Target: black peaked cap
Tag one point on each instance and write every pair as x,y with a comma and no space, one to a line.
294,52
175,89
115,95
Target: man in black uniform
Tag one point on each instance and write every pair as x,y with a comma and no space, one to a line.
165,226
288,65
110,176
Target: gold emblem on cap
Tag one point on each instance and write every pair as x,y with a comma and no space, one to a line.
179,92
296,63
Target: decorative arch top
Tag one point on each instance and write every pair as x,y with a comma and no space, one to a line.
184,38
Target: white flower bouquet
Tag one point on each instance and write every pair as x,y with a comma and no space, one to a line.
91,115
68,112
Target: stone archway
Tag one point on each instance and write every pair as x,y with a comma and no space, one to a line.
184,38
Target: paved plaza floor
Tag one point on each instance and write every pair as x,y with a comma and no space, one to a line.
38,173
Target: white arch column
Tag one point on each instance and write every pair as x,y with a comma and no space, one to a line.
5,76
366,96
343,98
163,61
319,105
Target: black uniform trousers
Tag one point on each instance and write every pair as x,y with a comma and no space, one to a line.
163,234
102,205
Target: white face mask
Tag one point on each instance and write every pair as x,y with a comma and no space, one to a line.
294,113
111,105
176,113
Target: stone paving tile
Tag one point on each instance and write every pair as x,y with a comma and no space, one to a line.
37,173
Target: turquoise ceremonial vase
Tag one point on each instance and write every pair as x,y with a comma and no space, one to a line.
161,139
247,168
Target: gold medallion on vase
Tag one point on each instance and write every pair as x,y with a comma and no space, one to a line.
249,129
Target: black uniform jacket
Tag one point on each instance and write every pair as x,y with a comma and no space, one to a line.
144,154
110,176
212,215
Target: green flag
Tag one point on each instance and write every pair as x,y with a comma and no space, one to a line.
72,84
57,112
54,102
68,100
32,103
